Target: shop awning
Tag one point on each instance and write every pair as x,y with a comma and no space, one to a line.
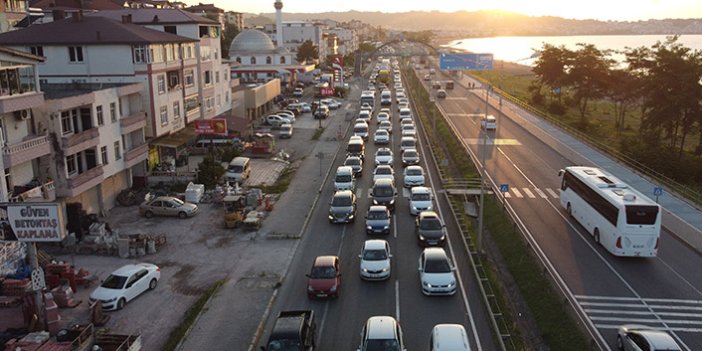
177,139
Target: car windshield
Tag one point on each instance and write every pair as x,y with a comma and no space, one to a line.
384,152
377,215
375,255
352,162
410,154
177,202
381,132
360,129
409,143
414,172
114,282
420,197
383,191
323,273
385,124
285,345
430,224
343,178
339,201
236,169
383,170
382,345
437,265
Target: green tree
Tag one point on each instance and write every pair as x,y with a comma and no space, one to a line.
307,52
550,69
209,172
622,89
366,47
588,76
230,32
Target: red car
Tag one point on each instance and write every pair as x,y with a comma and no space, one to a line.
324,278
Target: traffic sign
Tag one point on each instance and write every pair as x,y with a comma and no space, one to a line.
657,191
460,61
504,188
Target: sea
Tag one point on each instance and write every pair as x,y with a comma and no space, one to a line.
522,50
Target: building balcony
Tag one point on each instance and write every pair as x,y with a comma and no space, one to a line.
135,155
80,183
80,141
27,150
16,102
133,122
41,193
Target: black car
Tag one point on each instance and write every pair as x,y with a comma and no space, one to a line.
378,220
430,229
342,208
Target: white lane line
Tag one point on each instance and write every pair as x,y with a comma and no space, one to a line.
507,195
397,300
541,193
669,329
552,193
622,298
641,306
647,320
644,313
326,303
394,224
517,193
528,193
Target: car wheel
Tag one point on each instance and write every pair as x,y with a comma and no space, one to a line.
120,303
596,234
182,215
148,214
620,343
152,284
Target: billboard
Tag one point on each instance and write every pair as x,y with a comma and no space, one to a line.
211,126
31,222
460,61
327,91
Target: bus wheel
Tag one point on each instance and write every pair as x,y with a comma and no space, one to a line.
596,234
569,210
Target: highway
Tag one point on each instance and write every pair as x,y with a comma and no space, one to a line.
339,321
665,292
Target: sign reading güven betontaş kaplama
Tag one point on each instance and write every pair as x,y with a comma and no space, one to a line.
36,222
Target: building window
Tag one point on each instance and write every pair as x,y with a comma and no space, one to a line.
118,151
176,110
253,60
164,115
103,154
238,59
226,97
217,77
170,29
37,50
208,78
191,103
216,54
173,80
219,100
161,84
189,78
100,118
269,60
225,75
139,52
72,164
209,103
66,122
113,112
75,53
282,60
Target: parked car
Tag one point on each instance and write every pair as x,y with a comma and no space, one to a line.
287,114
381,137
375,260
383,156
378,220
298,92
436,273
276,120
488,122
286,131
383,172
305,107
167,206
410,157
413,176
381,333
324,279
125,284
634,337
420,200
342,208
356,163
430,229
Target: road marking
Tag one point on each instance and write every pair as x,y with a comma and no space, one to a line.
541,193
492,141
552,193
528,193
507,195
394,225
326,303
517,193
405,192
397,300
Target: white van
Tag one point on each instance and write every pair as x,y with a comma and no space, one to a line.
448,337
344,179
239,169
361,129
405,113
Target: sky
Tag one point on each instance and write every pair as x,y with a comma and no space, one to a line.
620,10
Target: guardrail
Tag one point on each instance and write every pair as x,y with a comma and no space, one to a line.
692,196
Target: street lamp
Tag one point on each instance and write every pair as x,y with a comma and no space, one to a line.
483,172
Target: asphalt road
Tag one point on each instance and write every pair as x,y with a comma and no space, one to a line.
665,292
339,321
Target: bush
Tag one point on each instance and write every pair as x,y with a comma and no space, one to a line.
341,92
556,108
537,99
209,172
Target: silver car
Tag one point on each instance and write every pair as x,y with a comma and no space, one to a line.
633,337
167,206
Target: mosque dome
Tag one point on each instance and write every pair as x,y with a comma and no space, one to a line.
251,41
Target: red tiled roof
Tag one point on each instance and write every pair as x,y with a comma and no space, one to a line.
165,16
93,30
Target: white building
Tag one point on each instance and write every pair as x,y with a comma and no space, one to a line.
297,32
347,39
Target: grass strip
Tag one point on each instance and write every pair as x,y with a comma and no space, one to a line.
280,185
318,133
190,316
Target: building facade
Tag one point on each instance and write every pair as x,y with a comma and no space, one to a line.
297,32
347,40
235,18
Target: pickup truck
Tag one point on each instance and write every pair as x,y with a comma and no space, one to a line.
292,331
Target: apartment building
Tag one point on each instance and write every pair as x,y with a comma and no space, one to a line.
210,11
347,40
235,18
297,32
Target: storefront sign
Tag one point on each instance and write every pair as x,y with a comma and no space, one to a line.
31,222
211,126
329,91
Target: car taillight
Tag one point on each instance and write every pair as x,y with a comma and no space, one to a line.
158,269
619,242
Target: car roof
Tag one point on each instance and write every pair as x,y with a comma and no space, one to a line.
374,244
435,253
344,169
383,149
383,181
163,198
407,138
425,214
420,190
325,261
659,339
450,334
377,208
343,193
414,167
128,269
381,327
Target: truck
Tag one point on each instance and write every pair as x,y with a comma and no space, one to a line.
292,331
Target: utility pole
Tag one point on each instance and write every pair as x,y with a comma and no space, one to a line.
483,173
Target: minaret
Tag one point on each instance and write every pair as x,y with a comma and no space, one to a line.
279,23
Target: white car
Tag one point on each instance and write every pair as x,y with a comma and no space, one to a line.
413,176
383,172
406,121
402,105
305,107
488,123
385,110
400,90
383,156
125,284
385,125
367,106
382,116
276,120
375,260
381,137
420,200
333,104
436,274
364,115
298,92
634,337
408,130
400,96
287,114
407,143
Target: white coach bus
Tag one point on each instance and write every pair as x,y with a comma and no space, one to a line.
619,218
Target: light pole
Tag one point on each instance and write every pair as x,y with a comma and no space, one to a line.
483,172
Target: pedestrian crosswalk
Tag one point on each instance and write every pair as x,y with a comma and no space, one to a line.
609,312
530,193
